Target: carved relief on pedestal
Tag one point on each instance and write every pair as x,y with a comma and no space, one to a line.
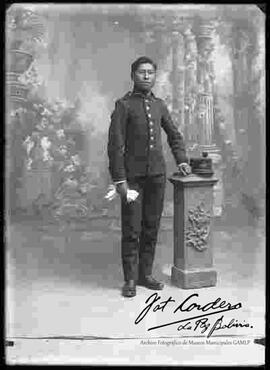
198,227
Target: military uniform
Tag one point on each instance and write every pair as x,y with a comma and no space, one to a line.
135,154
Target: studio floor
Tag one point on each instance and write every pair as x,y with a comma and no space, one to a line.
64,303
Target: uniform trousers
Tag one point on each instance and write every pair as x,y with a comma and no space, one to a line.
140,222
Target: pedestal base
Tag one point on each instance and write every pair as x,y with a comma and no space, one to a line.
190,279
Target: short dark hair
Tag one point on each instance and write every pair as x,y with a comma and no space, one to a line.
141,60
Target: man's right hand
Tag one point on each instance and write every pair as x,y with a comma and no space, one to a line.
122,189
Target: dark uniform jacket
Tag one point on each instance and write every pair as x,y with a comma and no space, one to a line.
134,143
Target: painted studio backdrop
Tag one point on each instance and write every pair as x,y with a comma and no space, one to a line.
65,69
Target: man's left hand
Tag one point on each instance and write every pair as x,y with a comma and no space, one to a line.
184,169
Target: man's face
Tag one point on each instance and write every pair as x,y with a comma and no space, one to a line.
144,77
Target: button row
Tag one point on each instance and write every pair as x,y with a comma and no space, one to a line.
151,146
151,131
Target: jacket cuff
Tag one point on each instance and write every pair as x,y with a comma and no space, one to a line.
119,182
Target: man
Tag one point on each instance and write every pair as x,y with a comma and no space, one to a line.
136,162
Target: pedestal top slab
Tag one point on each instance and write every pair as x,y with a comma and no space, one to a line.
192,180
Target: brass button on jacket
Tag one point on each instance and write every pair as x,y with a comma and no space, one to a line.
129,139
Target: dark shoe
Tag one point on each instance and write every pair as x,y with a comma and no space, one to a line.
150,283
129,289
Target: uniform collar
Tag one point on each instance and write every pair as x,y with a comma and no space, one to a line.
151,96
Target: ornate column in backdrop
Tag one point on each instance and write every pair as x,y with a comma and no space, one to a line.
204,30
191,132
178,73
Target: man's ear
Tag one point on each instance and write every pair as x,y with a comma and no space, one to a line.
132,76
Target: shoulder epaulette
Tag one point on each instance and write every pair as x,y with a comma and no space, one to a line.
126,96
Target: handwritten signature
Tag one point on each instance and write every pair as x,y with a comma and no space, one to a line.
197,322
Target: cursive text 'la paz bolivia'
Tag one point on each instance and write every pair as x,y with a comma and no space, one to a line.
191,305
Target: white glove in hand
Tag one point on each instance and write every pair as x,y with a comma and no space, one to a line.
184,169
111,194
132,195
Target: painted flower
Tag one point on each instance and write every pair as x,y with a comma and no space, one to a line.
76,159
46,112
47,157
45,143
69,168
60,134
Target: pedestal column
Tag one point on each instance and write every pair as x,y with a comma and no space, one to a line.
193,249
